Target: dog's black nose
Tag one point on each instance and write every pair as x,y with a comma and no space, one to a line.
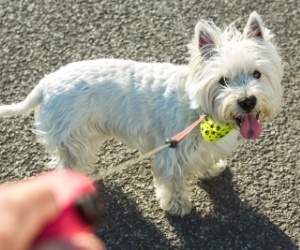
247,103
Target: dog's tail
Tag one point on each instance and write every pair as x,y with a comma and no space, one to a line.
34,98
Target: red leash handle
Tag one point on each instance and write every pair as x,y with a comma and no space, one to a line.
180,136
78,201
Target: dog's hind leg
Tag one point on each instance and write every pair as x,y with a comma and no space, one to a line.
77,152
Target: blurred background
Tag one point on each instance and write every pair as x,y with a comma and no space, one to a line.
254,204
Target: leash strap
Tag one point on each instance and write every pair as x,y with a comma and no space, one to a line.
170,143
180,136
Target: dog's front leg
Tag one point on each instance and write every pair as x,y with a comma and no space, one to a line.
171,186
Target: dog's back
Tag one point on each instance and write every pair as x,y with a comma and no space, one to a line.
84,103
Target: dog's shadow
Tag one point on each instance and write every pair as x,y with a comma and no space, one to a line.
231,225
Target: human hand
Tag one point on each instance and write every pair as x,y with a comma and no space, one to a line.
25,208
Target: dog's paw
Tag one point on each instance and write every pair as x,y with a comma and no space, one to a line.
216,169
177,207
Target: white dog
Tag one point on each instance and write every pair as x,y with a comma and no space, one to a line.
234,78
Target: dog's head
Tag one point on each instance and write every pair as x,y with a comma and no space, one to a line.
235,78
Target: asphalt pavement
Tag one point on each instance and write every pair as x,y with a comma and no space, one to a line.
254,204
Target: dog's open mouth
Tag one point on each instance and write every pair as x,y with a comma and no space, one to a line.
250,127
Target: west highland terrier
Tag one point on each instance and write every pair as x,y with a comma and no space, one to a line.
234,78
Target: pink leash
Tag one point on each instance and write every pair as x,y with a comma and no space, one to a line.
180,136
170,143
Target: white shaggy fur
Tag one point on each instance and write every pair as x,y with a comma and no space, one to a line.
84,103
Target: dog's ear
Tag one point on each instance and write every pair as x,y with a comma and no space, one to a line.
255,28
206,37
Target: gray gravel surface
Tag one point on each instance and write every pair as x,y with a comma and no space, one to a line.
254,204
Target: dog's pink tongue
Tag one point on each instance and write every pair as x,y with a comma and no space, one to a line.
250,127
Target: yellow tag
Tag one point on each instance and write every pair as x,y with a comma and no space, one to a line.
212,131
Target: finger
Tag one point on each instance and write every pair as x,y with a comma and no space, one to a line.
55,245
80,241
39,208
24,206
88,242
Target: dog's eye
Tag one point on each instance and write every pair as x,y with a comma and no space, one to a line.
256,74
224,81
